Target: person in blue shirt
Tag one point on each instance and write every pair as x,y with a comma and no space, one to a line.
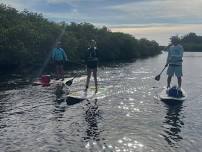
174,61
91,63
59,57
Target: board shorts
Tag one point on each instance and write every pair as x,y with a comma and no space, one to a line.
92,64
174,69
59,62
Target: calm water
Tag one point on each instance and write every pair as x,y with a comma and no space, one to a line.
126,117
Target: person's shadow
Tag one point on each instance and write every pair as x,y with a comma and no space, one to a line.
173,123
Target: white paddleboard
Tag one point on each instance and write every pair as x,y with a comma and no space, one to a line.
90,94
81,94
165,97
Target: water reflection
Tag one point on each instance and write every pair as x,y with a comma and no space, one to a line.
128,143
30,119
4,107
60,107
91,117
173,123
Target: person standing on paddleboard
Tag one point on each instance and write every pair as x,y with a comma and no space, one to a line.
59,57
174,61
91,63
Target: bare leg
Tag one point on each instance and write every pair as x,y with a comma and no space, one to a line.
61,72
179,82
169,81
57,71
95,79
88,78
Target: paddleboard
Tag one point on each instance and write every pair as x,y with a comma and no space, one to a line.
52,81
75,97
80,95
164,96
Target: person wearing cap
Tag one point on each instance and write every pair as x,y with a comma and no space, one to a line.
59,57
174,61
91,63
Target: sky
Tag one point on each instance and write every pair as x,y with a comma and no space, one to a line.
152,19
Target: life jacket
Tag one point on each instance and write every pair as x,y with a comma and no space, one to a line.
92,54
58,54
175,55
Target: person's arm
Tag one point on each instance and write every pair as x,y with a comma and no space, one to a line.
167,47
168,57
96,51
53,55
86,55
182,51
64,55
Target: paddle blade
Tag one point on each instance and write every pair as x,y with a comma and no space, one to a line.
69,83
157,78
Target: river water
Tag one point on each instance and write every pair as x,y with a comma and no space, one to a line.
126,118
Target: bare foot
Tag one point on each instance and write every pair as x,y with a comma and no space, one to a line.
86,89
96,90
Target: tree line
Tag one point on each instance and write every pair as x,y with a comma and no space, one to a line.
192,42
26,39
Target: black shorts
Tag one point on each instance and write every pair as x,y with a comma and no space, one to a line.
59,62
92,64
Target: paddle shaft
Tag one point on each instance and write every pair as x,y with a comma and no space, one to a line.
73,77
71,80
162,70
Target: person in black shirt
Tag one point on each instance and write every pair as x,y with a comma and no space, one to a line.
91,62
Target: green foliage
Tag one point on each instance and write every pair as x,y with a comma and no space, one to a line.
192,42
27,38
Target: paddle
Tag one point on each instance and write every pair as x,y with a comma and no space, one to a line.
69,82
157,78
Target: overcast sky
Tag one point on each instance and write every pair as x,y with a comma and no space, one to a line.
151,19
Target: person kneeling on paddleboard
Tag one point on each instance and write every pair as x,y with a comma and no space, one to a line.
91,63
59,57
174,61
